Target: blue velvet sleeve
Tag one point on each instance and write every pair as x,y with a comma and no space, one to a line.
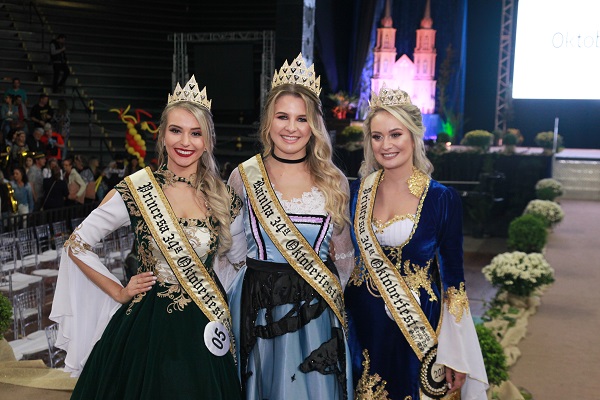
450,239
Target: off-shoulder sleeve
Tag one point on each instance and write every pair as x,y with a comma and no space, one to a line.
81,308
228,265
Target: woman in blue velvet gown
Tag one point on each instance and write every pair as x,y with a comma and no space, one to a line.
406,297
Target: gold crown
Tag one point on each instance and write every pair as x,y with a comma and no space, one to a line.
389,97
297,73
190,93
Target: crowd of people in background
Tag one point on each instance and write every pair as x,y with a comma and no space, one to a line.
36,172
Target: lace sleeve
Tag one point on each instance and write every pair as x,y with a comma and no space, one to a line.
228,265
344,249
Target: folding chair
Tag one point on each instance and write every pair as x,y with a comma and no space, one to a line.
27,305
55,355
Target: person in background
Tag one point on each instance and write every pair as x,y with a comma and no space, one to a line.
34,141
22,114
406,299
114,172
19,149
17,90
58,56
133,165
53,141
8,113
36,180
75,183
41,113
165,334
22,191
50,163
55,189
292,338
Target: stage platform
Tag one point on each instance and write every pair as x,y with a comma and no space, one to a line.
579,172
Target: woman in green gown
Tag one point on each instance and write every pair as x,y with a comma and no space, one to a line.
165,335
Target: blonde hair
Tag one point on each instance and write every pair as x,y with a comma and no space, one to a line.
410,116
326,176
209,182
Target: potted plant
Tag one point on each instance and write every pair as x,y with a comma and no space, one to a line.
519,273
548,189
6,313
549,211
351,138
527,233
509,141
494,358
478,139
546,141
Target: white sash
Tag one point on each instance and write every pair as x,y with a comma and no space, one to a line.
177,250
289,241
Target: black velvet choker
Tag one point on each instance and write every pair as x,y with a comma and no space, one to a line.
286,161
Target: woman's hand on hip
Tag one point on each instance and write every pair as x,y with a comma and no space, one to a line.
139,283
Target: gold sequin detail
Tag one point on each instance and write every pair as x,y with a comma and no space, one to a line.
370,387
380,226
417,182
357,277
175,293
138,297
170,179
76,244
457,301
418,277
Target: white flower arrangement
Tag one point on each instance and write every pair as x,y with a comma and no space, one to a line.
519,273
548,189
548,210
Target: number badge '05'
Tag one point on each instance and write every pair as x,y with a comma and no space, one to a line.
216,338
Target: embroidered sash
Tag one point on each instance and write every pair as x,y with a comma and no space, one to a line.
289,241
396,294
177,250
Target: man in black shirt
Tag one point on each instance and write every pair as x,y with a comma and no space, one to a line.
58,56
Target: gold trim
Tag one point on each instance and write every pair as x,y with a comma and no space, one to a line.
418,277
380,226
458,302
417,182
76,244
370,387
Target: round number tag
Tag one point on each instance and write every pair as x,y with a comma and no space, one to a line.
216,338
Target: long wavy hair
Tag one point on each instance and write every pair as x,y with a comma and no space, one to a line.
327,177
209,183
410,116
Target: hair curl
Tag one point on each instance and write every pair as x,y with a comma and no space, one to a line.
410,116
327,177
209,182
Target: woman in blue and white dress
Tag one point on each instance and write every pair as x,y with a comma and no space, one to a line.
290,332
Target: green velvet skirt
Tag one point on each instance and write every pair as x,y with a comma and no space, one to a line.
156,351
